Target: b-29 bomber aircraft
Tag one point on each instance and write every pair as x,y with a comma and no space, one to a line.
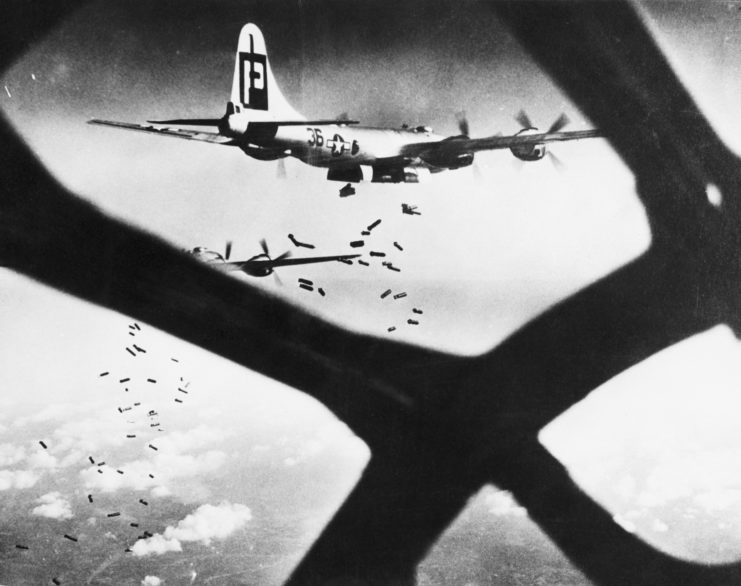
260,121
260,265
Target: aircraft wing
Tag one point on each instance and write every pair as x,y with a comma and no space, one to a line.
216,121
505,142
282,262
464,144
199,135
228,266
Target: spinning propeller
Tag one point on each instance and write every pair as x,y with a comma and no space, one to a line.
464,129
266,252
558,124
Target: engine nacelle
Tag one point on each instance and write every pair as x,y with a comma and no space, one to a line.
462,160
530,152
445,158
263,154
257,272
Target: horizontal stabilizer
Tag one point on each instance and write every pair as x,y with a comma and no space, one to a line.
217,121
284,262
190,121
303,122
197,135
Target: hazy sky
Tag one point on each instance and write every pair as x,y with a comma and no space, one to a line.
485,256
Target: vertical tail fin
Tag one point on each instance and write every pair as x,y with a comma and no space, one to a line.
254,90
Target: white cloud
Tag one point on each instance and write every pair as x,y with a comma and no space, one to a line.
168,464
659,526
17,479
178,442
151,581
625,487
92,433
172,466
720,499
501,503
53,506
73,457
49,413
10,454
157,545
166,467
209,413
36,462
210,522
662,433
161,491
42,459
136,476
625,523
334,436
207,522
704,474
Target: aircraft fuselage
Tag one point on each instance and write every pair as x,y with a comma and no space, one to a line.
351,153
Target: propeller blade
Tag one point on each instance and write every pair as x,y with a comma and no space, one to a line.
286,254
463,127
264,246
281,170
557,163
560,122
277,279
524,120
228,250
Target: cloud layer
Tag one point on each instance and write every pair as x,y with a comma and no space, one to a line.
501,503
17,479
54,506
206,523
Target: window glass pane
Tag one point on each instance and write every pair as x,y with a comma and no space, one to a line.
658,446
